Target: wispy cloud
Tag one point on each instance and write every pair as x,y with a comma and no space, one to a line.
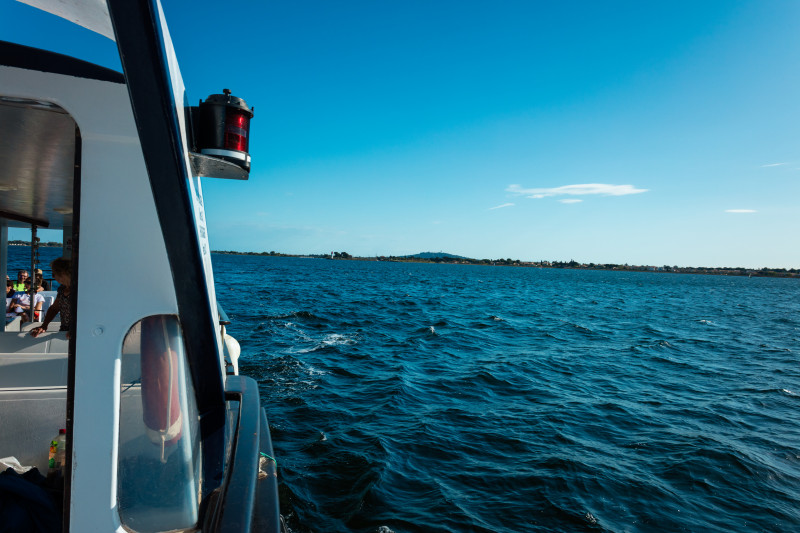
774,165
500,206
602,189
570,200
741,211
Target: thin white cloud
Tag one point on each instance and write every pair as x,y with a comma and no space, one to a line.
741,211
774,165
602,189
500,206
570,200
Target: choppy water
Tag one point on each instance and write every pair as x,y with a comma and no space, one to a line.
19,258
413,397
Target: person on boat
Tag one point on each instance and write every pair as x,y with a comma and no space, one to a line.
21,303
39,281
46,285
22,275
9,288
62,272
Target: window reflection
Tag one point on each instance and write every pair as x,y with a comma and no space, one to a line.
159,445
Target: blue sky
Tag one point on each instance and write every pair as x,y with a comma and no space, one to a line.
622,132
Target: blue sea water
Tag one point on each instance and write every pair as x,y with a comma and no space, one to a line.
419,397
422,397
19,258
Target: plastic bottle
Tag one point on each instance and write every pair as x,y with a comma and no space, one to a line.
58,454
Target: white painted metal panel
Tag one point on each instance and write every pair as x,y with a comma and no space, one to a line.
120,241
91,14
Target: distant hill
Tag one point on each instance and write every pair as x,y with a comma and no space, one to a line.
435,255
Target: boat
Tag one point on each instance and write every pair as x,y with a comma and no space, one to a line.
162,433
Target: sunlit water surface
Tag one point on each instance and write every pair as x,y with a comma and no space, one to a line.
420,397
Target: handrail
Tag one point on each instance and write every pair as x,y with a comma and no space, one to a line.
250,504
268,515
235,514
223,316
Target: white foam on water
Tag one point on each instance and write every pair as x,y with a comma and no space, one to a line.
336,339
790,393
315,372
332,339
299,332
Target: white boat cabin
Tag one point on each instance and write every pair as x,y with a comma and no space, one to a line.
162,434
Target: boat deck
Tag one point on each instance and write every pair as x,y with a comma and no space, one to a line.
33,394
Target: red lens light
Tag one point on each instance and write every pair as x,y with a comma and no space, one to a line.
237,127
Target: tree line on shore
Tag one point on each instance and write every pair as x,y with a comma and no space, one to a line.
572,264
41,244
452,259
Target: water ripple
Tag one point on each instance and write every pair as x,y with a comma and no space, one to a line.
408,398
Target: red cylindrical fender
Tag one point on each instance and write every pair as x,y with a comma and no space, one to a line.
161,408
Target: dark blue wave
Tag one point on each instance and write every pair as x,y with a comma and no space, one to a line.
413,397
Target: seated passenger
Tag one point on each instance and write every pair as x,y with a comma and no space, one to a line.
19,285
21,304
9,289
46,284
39,281
62,271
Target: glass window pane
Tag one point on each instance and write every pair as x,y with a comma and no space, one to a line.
159,444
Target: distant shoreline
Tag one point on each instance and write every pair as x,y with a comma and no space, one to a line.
457,260
571,265
41,244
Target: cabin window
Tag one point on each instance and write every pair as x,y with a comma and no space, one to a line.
158,480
